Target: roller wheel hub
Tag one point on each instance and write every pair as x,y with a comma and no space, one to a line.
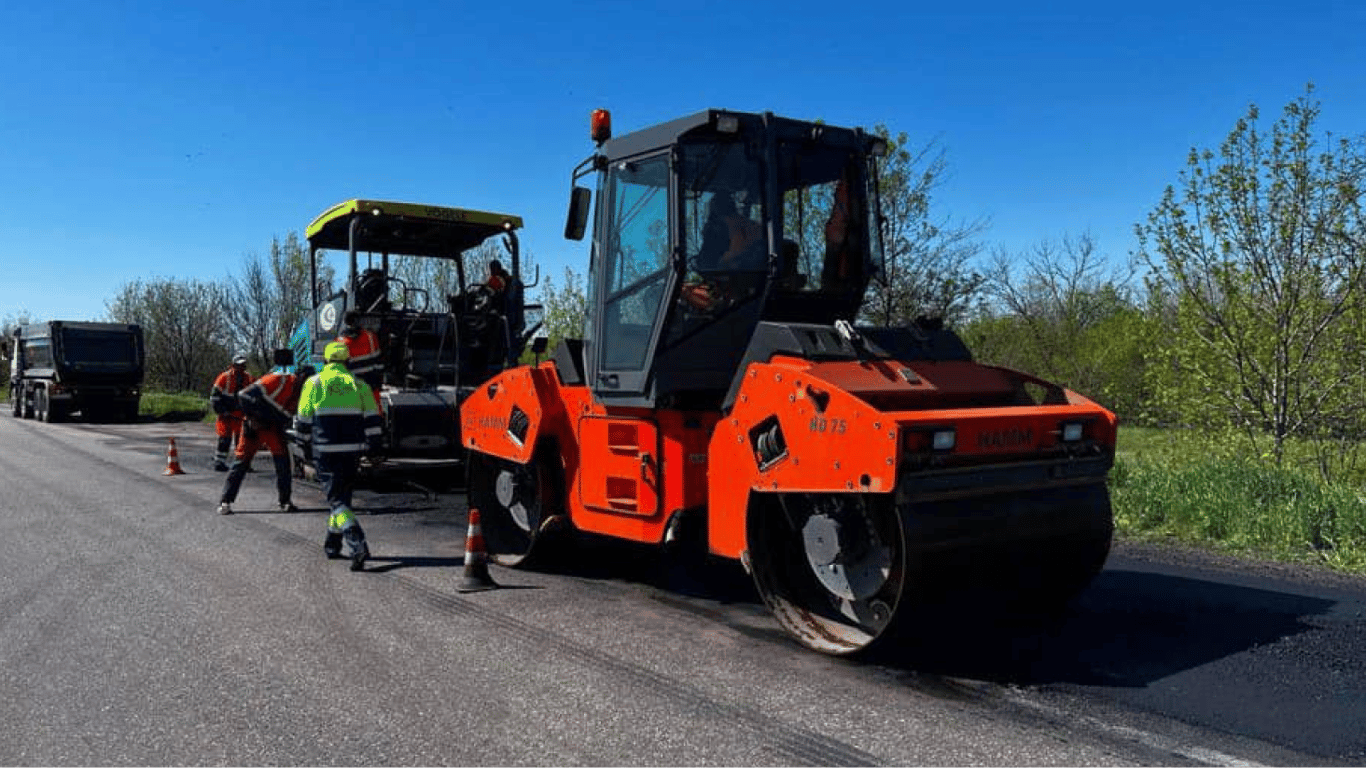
845,558
505,490
821,534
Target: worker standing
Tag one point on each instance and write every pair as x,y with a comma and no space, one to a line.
223,401
366,362
268,405
337,415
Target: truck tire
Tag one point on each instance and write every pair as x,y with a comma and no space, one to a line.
16,400
48,411
56,412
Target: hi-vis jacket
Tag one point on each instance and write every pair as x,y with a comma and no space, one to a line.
271,400
223,396
365,356
337,411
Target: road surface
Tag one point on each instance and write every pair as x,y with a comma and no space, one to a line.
139,627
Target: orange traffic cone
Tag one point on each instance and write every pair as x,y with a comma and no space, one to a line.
476,577
172,461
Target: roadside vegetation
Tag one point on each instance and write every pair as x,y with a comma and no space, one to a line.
175,406
1208,489
162,406
1231,343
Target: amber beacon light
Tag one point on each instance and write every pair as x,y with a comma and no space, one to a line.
601,126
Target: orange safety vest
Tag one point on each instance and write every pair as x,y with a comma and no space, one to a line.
364,361
230,382
272,399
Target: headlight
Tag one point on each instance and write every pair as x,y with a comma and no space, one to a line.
1071,431
943,440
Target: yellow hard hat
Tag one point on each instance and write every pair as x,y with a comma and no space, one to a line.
336,352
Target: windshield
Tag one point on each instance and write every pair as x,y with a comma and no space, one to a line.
723,210
99,349
828,242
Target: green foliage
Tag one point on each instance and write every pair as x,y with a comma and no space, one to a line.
187,328
1257,262
175,406
565,308
929,260
1209,489
1063,314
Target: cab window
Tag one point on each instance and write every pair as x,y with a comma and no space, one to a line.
636,260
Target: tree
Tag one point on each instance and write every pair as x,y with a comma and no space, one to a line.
1260,247
928,260
186,330
1065,313
254,305
564,309
289,267
268,299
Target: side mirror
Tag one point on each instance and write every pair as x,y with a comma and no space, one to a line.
538,345
580,198
283,357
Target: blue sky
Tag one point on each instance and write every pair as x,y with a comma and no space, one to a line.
173,139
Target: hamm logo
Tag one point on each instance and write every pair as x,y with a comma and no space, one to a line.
1005,439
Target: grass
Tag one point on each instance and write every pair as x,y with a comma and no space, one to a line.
165,406
175,406
1215,490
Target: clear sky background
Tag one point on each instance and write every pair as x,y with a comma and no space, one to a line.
173,139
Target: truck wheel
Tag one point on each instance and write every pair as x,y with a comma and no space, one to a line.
16,400
519,505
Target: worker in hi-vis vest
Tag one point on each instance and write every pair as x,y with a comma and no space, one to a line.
337,416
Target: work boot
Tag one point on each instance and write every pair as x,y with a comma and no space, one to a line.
361,555
288,506
225,508
219,466
332,545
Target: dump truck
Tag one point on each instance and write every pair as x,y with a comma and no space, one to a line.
434,348
61,367
725,392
